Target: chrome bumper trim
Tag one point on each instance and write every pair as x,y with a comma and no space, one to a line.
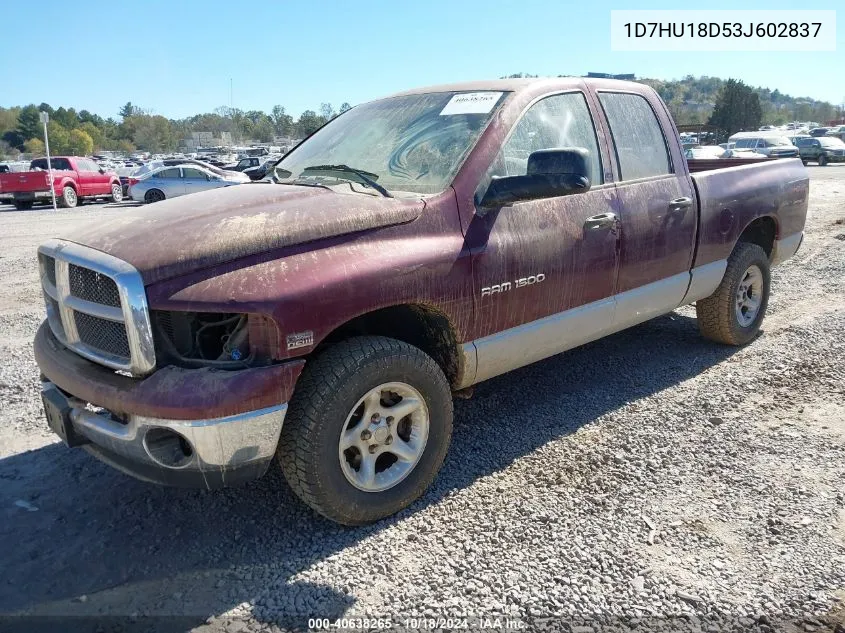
216,444
786,248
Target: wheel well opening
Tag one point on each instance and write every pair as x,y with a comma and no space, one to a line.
761,232
421,326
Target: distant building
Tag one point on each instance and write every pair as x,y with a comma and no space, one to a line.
623,76
207,139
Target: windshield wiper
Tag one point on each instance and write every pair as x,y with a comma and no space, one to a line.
366,177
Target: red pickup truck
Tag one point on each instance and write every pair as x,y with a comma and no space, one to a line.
411,248
74,179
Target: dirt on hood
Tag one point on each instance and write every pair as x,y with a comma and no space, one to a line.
185,234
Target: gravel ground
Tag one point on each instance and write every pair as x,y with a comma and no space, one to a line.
650,478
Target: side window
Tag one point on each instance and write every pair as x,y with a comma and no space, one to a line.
557,121
193,173
173,172
640,145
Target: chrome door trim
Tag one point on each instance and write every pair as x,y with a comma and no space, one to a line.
704,280
522,345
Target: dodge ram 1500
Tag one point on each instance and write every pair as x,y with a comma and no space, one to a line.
412,247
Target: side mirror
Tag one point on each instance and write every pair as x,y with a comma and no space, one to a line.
550,173
102,171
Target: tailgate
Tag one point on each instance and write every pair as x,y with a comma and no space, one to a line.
24,181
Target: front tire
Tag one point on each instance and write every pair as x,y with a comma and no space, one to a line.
733,314
68,199
367,429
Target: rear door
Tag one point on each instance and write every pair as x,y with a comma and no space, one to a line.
657,206
170,182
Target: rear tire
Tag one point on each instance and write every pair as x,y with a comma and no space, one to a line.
339,423
68,199
732,315
23,205
154,195
822,161
116,193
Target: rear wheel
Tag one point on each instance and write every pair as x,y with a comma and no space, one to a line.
23,205
68,199
733,314
822,160
153,195
367,430
116,192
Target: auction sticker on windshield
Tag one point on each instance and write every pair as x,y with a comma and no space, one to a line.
471,103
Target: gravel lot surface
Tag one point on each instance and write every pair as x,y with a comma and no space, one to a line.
649,475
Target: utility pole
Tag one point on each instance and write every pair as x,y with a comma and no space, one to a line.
45,117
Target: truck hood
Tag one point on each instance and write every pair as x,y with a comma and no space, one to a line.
185,234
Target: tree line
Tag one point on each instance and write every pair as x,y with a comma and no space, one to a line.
82,133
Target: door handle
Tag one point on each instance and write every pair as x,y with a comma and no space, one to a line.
680,204
600,221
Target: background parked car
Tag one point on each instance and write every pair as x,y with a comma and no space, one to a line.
819,131
838,131
823,150
260,172
245,163
772,146
171,182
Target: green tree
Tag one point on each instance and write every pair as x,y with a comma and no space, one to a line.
129,110
81,144
737,108
153,133
59,138
263,131
344,107
34,146
96,134
308,123
327,111
29,122
282,122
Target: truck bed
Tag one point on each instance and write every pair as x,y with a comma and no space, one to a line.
730,197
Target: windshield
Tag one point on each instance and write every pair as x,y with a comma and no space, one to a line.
831,141
413,143
778,141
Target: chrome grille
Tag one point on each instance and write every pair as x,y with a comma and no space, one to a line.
92,286
97,306
108,336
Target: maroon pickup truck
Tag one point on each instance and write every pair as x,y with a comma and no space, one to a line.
411,248
74,179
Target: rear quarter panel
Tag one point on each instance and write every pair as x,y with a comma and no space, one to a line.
731,198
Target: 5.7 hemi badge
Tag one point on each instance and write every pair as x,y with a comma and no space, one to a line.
300,339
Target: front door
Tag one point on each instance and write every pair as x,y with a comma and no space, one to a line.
544,269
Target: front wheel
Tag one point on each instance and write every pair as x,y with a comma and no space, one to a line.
367,430
116,193
733,314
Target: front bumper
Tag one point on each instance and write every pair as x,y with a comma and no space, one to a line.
211,453
185,427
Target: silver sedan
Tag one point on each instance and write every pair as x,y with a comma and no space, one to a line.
170,182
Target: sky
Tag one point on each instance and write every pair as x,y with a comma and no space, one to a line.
178,58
